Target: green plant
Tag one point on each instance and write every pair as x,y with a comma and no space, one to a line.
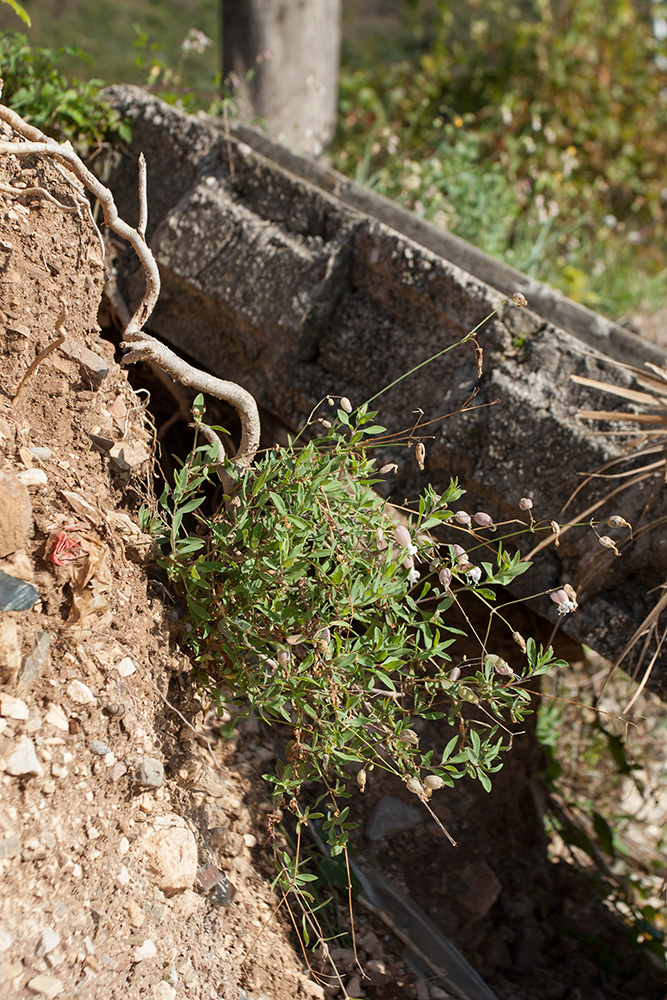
37,90
305,606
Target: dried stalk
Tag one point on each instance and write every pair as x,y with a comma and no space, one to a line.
143,347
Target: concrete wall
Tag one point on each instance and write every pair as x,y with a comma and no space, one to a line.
275,277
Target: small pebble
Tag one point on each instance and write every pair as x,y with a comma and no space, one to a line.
24,760
32,477
56,717
80,693
145,950
46,986
101,749
149,772
125,667
117,771
48,940
13,708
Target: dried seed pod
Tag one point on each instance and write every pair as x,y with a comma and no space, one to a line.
520,641
345,404
500,665
459,552
390,467
380,539
283,658
420,455
463,518
445,577
616,521
608,543
454,674
519,299
525,503
325,423
361,779
433,782
555,527
408,736
414,786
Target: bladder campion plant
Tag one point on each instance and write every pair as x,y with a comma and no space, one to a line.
305,607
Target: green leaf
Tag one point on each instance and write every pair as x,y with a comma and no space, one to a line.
18,9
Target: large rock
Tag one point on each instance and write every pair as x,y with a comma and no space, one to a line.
170,857
15,514
274,277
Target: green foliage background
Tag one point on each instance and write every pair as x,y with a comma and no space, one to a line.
535,129
106,31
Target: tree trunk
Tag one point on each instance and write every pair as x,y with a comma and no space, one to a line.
283,56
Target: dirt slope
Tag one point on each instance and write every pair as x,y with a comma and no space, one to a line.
107,798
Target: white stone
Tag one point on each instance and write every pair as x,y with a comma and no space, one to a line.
171,858
122,877
48,940
145,950
163,991
46,986
24,760
125,667
33,477
13,708
56,717
80,693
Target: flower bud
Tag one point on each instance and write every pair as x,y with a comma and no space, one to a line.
459,552
402,536
454,674
463,518
345,404
433,782
325,423
465,694
484,520
519,299
445,577
380,539
559,597
525,503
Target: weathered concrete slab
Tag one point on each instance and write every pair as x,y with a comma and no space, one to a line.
277,283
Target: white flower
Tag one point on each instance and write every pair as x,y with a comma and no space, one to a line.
413,576
474,575
195,41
